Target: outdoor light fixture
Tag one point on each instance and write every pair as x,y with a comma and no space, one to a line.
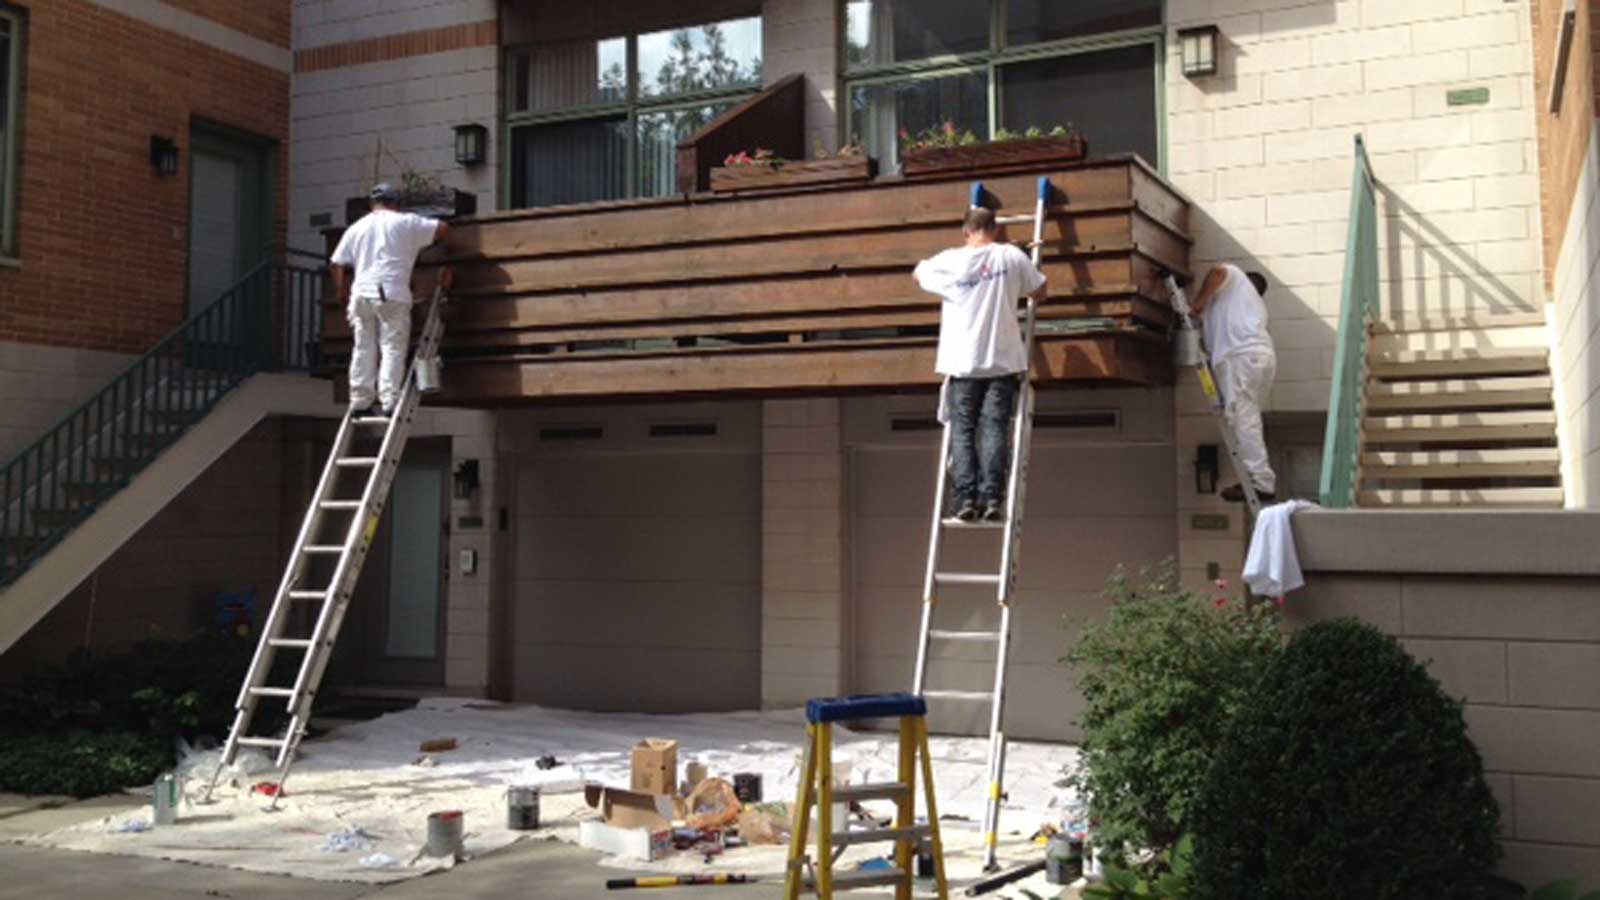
1206,469
163,156
472,145
1199,46
466,479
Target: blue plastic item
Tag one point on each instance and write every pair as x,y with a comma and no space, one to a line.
864,706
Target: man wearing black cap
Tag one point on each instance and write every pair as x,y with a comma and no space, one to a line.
381,248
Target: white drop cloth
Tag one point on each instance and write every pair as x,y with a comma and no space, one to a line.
1273,567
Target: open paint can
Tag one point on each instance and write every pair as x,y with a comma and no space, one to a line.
445,831
165,799
747,787
522,808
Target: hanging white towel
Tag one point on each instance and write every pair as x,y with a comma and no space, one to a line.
1273,567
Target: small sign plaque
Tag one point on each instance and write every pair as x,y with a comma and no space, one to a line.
1209,522
1468,97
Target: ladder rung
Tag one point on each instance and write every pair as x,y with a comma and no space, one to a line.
272,692
260,742
308,595
978,578
340,504
371,420
886,790
988,637
874,835
958,695
290,643
356,462
954,522
324,548
1013,220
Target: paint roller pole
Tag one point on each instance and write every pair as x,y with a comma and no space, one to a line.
1005,878
659,881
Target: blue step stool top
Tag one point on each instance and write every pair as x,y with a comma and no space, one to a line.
864,706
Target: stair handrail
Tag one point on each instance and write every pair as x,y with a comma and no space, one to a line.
1341,450
253,326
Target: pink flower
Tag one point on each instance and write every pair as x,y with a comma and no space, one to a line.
905,135
1222,584
949,128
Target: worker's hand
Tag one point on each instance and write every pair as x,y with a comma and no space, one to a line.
447,278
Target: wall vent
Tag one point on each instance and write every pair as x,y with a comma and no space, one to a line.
571,433
683,429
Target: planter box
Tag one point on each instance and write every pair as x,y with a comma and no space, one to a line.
444,204
838,170
994,155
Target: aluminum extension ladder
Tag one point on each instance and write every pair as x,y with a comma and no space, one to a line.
1208,384
354,539
1004,578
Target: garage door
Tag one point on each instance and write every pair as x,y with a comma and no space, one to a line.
637,573
1102,492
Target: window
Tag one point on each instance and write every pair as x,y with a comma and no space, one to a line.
601,119
1094,65
10,113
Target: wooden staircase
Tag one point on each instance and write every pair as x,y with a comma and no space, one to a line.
1459,412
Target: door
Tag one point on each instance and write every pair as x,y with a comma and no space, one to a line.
230,209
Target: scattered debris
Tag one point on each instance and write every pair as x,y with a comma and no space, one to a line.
546,762
765,823
713,805
269,788
379,861
631,809
347,840
629,843
129,826
438,745
425,761
655,766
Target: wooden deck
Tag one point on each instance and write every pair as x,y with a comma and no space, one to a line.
798,291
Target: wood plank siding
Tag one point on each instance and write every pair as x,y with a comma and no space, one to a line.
798,291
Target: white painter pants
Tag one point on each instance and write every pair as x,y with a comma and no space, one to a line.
373,324
1245,379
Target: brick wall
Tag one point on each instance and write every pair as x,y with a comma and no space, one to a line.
268,21
103,241
1563,137
1265,149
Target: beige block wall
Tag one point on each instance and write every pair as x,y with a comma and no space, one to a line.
1575,320
1265,149
803,631
1522,650
40,385
801,36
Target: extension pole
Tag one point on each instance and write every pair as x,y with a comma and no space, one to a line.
660,881
1005,878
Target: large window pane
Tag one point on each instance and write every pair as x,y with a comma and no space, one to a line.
570,162
659,134
887,31
879,113
702,58
7,133
1035,21
1108,95
570,76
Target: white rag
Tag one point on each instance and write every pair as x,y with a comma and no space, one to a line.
1273,567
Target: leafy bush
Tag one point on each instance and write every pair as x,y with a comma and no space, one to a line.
1163,675
1172,884
81,764
1348,774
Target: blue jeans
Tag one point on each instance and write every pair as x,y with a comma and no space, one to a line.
980,436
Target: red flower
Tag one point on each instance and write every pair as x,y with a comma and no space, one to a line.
949,128
1220,602
905,135
1280,602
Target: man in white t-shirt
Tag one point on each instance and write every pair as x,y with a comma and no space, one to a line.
981,353
381,248
1233,316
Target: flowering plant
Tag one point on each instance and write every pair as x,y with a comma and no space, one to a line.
761,157
943,136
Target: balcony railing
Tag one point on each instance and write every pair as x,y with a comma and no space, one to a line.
1341,455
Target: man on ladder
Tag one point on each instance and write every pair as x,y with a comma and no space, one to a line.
981,353
1233,317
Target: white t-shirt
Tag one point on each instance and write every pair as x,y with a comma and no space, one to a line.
978,333
1236,320
383,247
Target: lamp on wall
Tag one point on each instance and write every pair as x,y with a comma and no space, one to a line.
1199,48
1206,469
163,156
466,479
472,145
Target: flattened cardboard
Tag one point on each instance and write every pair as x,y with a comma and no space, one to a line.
655,766
631,809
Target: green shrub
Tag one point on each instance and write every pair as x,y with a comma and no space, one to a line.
1348,774
1163,675
81,764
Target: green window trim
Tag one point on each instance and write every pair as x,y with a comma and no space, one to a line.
10,130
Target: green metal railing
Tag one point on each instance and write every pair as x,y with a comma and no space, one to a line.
269,321
1341,451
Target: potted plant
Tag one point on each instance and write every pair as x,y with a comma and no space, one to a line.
763,170
947,149
422,194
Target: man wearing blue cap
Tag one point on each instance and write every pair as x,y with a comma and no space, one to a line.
381,248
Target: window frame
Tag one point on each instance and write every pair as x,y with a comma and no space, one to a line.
630,108
997,57
11,146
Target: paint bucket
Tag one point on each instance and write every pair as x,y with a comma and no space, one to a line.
522,808
1063,859
165,799
747,787
445,830
429,377
1186,350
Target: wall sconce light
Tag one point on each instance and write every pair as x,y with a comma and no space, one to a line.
163,156
1206,469
466,479
1199,49
472,145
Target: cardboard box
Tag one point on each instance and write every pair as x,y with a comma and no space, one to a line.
655,766
632,809
629,843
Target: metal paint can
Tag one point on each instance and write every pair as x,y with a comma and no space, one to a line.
445,831
522,808
747,787
165,799
429,377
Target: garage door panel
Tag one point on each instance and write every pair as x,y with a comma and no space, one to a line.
686,547
599,614
881,483
1131,480
639,678
635,484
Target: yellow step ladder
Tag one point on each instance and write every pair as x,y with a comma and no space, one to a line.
816,787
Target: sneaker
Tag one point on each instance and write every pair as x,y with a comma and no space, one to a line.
994,511
1234,493
365,412
968,510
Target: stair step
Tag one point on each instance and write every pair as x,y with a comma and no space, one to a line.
1521,462
988,637
1473,393
1446,363
1531,337
1476,427
877,835
885,790
1529,497
1421,324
